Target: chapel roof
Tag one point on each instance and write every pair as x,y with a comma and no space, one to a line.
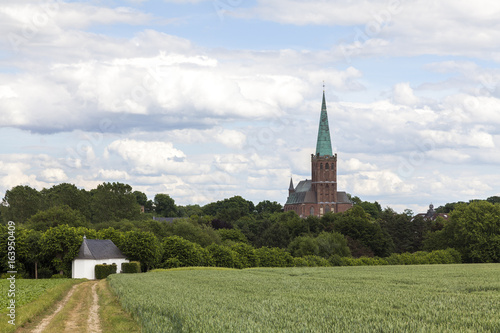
99,249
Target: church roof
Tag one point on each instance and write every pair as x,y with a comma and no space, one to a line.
302,194
99,249
324,143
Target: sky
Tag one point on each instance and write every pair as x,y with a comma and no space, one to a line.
207,99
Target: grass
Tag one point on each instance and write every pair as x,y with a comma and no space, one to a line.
33,298
433,298
113,318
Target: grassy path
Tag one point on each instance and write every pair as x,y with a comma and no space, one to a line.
88,307
77,312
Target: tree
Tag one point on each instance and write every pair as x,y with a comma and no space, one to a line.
113,202
143,247
268,207
20,203
188,253
356,224
55,216
224,257
67,195
229,210
60,245
165,205
332,243
142,199
473,230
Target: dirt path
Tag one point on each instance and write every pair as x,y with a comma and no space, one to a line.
77,312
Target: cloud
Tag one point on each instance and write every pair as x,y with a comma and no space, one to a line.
403,94
152,157
53,175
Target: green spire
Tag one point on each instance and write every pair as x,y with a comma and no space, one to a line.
324,143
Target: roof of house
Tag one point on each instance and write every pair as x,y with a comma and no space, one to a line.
99,249
304,194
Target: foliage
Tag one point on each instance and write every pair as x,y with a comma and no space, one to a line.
131,267
229,210
142,246
233,235
20,203
274,257
67,195
366,299
112,202
268,207
61,244
186,252
55,216
474,230
247,255
103,271
224,257
191,230
165,205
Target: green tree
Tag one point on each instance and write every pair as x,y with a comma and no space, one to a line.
303,246
113,202
188,253
55,216
165,205
67,195
268,207
20,203
331,244
60,245
112,234
232,235
473,230
229,210
224,257
143,247
248,257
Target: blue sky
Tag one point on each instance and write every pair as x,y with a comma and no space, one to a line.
206,99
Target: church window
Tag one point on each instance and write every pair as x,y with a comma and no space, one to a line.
321,166
311,211
327,208
321,210
326,166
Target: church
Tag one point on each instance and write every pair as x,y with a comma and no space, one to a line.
319,195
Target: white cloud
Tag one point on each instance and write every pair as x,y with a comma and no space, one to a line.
53,175
403,94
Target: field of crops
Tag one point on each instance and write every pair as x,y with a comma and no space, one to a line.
26,290
434,298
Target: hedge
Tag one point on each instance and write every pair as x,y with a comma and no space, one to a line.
131,267
102,271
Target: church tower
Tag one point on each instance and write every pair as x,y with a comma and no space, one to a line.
324,166
319,195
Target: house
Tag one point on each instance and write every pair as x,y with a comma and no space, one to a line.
431,214
318,195
96,252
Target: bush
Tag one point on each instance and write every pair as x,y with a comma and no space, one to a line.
172,263
274,257
316,261
224,256
58,276
131,267
300,262
188,253
102,271
247,255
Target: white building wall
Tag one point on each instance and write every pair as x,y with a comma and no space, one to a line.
85,268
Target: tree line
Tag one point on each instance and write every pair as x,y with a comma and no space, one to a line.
51,224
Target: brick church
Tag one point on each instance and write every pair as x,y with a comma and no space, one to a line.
319,195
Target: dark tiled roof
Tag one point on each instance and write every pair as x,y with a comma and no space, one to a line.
302,194
342,198
99,249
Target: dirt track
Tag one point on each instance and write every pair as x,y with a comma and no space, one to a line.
77,312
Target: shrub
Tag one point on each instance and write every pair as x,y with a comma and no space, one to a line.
300,262
224,256
247,255
274,257
172,263
188,253
102,271
131,267
58,276
316,261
